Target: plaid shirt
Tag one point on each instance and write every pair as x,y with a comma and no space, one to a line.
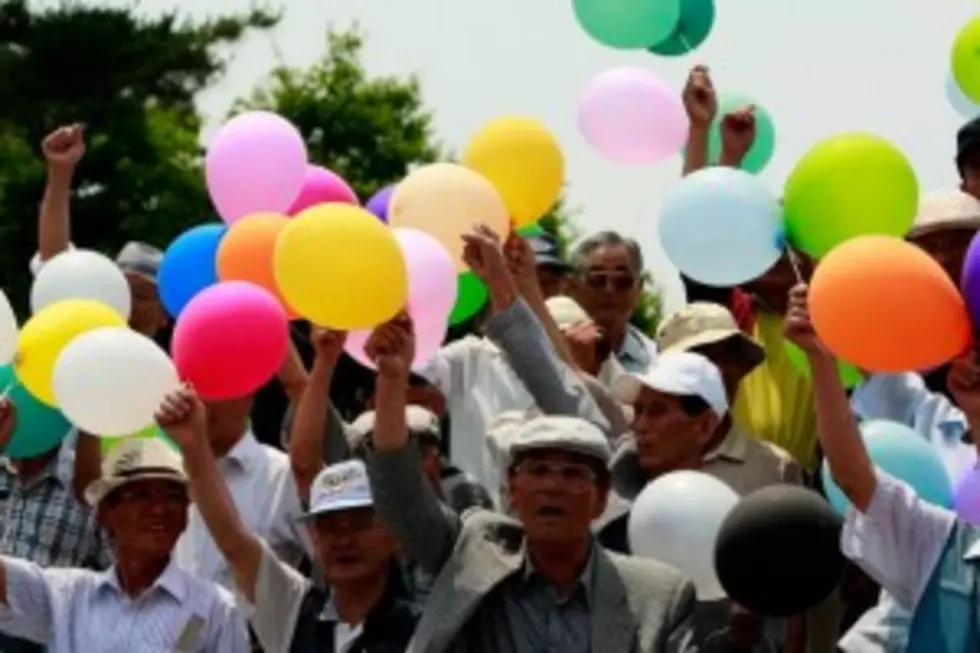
43,522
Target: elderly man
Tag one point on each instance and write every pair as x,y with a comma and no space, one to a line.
145,602
540,583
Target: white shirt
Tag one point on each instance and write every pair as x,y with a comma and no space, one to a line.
261,485
82,611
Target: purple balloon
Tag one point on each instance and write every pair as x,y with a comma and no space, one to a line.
966,497
378,204
970,280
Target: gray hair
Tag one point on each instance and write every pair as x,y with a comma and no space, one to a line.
607,239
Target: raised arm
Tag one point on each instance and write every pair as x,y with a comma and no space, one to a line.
701,103
62,149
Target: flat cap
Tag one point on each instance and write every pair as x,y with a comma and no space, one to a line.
559,433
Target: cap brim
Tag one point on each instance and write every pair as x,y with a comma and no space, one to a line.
549,261
142,274
627,388
337,506
752,350
100,488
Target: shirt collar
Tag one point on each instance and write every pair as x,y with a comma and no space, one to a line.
173,581
585,579
734,447
60,469
245,452
636,352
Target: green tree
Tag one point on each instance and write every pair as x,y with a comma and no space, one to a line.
366,129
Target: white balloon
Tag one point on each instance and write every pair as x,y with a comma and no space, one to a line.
81,274
110,381
8,330
676,519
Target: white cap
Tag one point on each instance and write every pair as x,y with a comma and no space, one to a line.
343,486
679,373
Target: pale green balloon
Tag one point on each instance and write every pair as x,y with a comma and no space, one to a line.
628,24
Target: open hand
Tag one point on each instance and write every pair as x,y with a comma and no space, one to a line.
700,99
64,147
182,417
588,345
392,347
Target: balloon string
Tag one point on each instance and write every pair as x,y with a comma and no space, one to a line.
10,388
684,41
794,260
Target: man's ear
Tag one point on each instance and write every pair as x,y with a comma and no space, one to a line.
708,423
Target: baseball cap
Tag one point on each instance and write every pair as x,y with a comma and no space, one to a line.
546,251
705,323
954,210
139,459
679,373
343,486
141,259
420,422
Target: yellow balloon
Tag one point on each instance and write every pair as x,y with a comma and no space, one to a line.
340,267
446,200
48,332
523,161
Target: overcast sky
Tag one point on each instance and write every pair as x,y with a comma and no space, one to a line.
820,67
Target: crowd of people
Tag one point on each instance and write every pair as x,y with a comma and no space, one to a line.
503,529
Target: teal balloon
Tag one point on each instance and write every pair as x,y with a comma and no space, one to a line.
697,19
471,296
628,24
903,454
762,149
40,428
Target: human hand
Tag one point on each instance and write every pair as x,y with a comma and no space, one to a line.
328,345
797,326
738,131
392,347
587,344
700,99
64,147
521,264
182,417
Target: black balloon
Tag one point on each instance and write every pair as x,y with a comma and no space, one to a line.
778,551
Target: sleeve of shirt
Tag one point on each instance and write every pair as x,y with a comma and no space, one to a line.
28,613
451,368
36,263
882,629
279,594
899,539
287,529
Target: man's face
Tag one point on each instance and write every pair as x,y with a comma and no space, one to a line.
667,438
146,517
970,172
552,280
730,357
555,495
351,544
608,287
948,248
147,316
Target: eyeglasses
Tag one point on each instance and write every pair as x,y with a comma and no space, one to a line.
604,280
171,499
576,478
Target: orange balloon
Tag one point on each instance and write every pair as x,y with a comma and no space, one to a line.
246,251
886,306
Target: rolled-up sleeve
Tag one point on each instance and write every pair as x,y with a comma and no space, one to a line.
28,611
899,539
279,594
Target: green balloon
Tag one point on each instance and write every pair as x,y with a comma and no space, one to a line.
762,149
964,60
533,229
471,295
847,186
697,19
850,376
40,428
152,431
628,24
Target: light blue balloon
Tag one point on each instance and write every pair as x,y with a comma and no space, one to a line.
722,227
904,454
189,266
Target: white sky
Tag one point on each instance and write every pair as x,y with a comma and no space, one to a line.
819,66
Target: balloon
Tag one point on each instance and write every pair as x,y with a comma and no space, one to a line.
762,149
523,161
631,116
533,229
885,305
676,519
81,274
246,253
970,279
340,267
904,454
322,186
429,338
8,330
697,19
230,340
446,201
471,297
628,24
966,497
111,381
846,186
964,106
40,428
256,163
720,209
431,276
47,334
153,431
850,376
378,204
778,551
188,266
964,61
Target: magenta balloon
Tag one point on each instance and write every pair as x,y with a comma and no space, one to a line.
431,275
428,340
378,204
256,163
230,339
632,116
322,186
966,497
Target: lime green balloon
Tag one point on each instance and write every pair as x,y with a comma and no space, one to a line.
628,24
533,229
850,376
471,295
697,19
152,431
760,153
965,60
847,186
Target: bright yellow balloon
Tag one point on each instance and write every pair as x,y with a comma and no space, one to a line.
523,161
340,267
48,332
446,200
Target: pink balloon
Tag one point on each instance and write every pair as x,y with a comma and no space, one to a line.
428,340
230,339
631,116
321,186
256,163
431,275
